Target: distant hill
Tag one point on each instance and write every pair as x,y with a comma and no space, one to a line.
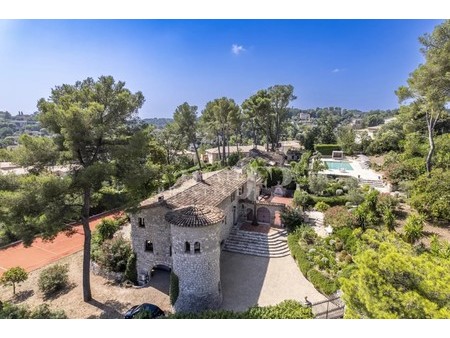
159,122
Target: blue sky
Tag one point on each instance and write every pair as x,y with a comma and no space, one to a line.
355,64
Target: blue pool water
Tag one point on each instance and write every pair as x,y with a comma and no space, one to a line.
338,165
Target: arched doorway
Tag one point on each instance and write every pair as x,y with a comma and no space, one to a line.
249,214
263,215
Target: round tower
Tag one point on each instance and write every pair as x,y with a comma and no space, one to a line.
195,232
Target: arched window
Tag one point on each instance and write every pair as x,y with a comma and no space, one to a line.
148,246
197,247
187,247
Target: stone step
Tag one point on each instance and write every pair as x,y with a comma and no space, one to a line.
259,245
257,239
258,235
259,253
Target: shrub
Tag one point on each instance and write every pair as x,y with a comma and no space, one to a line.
174,288
115,254
331,201
12,311
321,206
302,199
321,282
339,192
298,253
291,218
413,228
53,279
339,217
288,309
106,229
130,270
14,276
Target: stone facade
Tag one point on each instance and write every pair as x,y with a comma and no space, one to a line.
198,272
177,229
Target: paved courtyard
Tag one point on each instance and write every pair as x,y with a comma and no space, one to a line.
250,280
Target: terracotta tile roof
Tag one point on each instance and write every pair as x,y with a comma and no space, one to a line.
211,191
194,216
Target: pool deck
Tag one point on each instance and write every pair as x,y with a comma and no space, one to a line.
358,171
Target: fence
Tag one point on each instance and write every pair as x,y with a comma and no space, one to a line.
328,309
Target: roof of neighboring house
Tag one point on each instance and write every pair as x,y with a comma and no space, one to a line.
211,191
233,149
195,216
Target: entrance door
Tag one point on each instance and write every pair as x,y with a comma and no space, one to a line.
263,215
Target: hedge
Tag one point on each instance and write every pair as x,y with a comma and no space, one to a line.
321,282
12,311
326,149
331,201
288,309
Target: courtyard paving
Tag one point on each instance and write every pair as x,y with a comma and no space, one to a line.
251,280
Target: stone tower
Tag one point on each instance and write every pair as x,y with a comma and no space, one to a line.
195,237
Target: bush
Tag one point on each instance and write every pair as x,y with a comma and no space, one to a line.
53,279
331,201
115,254
130,270
413,228
288,309
174,288
321,282
339,217
291,218
12,311
321,206
326,149
106,229
302,199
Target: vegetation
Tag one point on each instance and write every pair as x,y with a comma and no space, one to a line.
327,149
12,311
13,276
288,309
53,279
390,280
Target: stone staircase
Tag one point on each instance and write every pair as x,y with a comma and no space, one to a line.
270,245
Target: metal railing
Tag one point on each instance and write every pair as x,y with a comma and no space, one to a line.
334,309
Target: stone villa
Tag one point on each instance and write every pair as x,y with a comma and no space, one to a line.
184,229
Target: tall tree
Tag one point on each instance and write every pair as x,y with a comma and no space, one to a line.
93,134
185,120
429,85
258,110
218,117
280,96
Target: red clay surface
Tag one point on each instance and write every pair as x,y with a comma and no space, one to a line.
41,253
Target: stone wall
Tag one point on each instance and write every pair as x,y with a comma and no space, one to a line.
156,230
198,273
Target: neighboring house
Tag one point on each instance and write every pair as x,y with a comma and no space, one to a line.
184,228
212,155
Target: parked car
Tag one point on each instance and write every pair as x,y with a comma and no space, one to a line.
144,310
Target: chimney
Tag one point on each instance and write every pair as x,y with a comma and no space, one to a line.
198,177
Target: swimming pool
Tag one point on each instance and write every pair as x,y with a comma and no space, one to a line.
338,165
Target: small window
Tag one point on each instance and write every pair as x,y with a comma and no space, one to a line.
148,246
197,247
170,250
141,222
233,196
187,247
241,190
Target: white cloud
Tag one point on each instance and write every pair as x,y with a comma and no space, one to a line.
236,49
338,70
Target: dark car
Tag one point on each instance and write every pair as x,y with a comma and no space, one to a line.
144,310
